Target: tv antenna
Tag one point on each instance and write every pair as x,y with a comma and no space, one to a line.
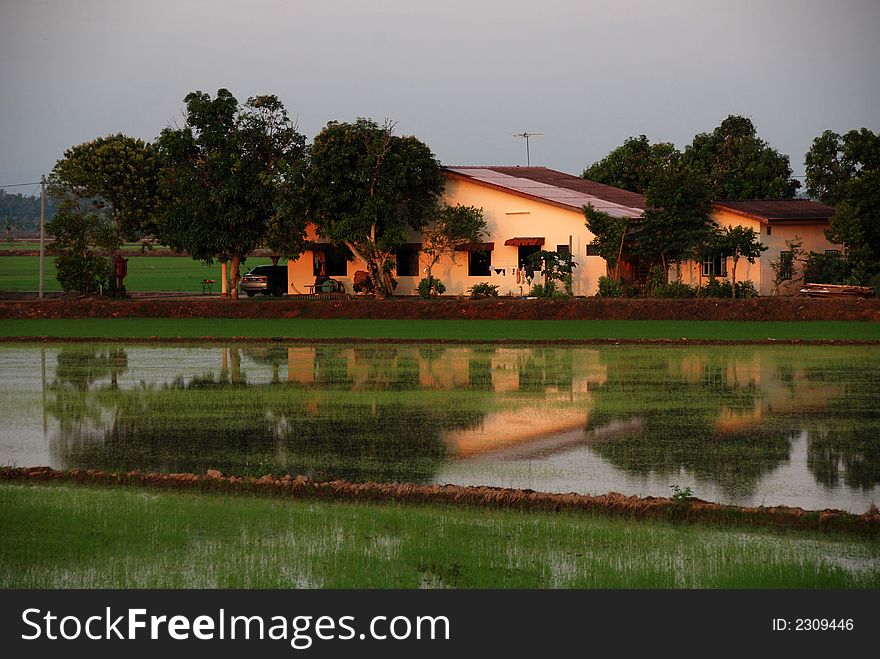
526,137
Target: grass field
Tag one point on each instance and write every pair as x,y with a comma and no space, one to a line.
145,273
81,537
467,330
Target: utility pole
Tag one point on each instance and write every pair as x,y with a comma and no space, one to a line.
526,136
42,231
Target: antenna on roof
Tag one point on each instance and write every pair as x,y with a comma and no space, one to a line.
526,136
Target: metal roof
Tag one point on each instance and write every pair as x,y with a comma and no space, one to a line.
785,210
556,188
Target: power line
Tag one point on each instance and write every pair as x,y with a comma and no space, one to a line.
19,185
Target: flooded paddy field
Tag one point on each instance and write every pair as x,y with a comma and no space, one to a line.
743,425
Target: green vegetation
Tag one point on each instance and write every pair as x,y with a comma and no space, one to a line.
440,330
145,273
80,537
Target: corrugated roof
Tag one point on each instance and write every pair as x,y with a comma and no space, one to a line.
786,210
558,188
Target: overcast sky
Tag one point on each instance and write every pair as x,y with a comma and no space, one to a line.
463,76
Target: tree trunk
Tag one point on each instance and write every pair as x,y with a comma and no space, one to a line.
233,277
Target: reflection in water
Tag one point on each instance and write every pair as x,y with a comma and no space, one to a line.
741,424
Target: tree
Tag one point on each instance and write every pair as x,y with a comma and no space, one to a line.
366,188
454,226
738,165
81,237
834,160
678,218
740,242
227,177
118,175
631,166
845,171
609,234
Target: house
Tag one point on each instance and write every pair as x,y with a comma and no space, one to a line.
775,222
528,209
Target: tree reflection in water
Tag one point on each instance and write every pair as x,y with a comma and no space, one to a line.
727,415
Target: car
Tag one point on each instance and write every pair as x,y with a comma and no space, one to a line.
265,279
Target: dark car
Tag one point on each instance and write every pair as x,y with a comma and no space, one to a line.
265,279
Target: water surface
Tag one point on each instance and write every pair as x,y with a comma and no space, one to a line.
749,425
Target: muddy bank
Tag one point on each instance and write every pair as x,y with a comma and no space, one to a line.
302,488
757,309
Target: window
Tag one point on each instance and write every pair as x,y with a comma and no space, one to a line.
832,252
524,252
769,230
593,250
786,265
479,263
407,260
714,265
563,250
330,261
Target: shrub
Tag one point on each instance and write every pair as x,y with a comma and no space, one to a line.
746,289
431,287
483,290
716,288
543,290
674,291
609,287
828,269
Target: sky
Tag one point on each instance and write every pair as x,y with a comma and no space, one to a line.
463,76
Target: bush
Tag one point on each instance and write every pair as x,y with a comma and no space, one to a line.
609,287
828,269
746,289
674,291
547,290
716,288
479,291
431,287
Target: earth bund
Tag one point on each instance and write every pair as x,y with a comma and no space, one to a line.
784,309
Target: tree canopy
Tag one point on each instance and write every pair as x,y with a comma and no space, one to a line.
678,219
226,175
844,170
366,188
738,164
834,160
116,173
631,166
735,163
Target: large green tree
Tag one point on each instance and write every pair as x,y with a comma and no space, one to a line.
737,164
117,175
678,219
631,166
227,176
844,171
366,187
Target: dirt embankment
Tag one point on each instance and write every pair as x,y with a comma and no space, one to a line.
757,309
303,488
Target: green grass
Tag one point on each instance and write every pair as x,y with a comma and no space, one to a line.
469,330
145,273
80,537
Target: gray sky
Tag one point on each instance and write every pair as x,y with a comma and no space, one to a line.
461,75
